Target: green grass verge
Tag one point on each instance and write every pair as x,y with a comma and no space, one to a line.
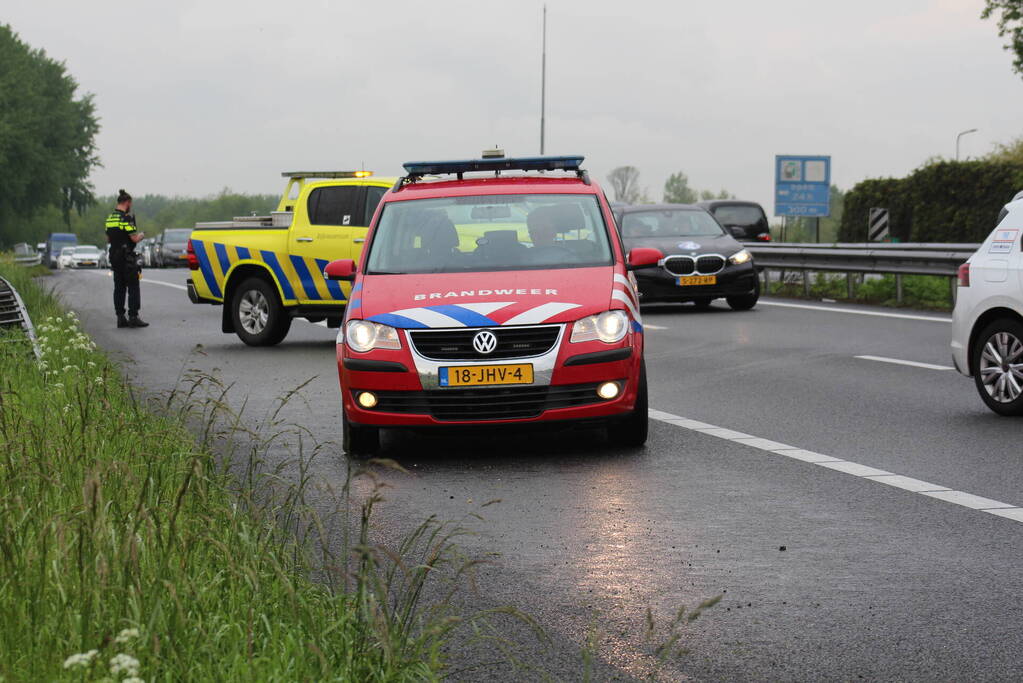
930,292
127,552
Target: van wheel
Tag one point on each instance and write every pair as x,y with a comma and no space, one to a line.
998,366
745,301
259,317
359,441
631,432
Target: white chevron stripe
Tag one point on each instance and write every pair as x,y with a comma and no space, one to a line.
429,318
628,286
486,308
540,313
624,298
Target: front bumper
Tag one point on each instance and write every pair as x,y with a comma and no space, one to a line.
564,388
660,285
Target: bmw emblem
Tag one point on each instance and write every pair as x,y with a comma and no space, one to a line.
484,342
689,246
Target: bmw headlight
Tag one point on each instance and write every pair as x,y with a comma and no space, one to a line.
363,335
740,257
608,327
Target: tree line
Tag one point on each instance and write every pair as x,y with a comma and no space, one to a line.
624,182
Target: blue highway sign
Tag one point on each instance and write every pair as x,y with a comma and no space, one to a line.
802,185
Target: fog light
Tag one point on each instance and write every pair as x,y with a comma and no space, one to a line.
367,399
608,390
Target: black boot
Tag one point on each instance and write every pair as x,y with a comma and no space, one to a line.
122,321
136,321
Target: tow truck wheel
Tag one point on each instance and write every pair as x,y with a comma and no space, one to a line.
745,301
259,317
631,432
359,441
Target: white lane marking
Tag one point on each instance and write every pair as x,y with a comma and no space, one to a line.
910,363
923,488
853,311
151,282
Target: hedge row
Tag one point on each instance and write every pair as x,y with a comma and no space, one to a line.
949,201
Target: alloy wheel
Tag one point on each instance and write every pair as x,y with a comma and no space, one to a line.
1001,367
253,311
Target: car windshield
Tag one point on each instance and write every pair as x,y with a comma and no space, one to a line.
739,215
670,223
489,233
67,251
176,236
88,251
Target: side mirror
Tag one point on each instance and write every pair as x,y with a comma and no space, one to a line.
343,269
643,257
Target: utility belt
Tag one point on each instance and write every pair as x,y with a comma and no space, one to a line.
124,257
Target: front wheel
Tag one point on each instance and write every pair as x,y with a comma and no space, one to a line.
998,366
631,431
745,302
360,441
259,317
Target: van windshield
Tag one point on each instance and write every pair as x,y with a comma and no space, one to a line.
489,233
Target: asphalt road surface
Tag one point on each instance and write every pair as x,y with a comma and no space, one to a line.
858,515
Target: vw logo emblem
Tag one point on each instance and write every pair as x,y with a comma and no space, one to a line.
484,342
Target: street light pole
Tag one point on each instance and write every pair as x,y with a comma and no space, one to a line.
959,137
543,80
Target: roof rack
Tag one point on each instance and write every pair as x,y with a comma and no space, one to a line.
416,170
326,174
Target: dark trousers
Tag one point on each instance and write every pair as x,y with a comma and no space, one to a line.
126,283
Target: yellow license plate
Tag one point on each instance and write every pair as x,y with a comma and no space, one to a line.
483,375
697,280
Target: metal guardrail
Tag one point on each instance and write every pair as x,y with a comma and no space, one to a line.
26,255
14,314
850,258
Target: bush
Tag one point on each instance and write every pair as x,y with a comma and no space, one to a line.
947,201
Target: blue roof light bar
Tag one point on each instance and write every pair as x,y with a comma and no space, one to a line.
551,163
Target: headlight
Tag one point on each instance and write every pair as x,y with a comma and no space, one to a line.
608,327
740,257
363,335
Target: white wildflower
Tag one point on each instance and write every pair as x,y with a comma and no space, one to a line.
133,679
58,385
123,663
127,635
91,364
81,659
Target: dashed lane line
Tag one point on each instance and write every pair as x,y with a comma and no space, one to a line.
924,488
910,363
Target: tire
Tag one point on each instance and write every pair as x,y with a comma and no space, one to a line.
997,356
631,431
745,301
359,441
703,303
258,316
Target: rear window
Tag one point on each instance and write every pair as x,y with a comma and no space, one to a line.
490,233
739,215
177,235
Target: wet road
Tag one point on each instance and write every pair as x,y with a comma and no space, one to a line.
890,487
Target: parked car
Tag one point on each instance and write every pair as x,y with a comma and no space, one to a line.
702,261
65,259
745,220
987,323
104,257
171,248
55,243
85,256
146,250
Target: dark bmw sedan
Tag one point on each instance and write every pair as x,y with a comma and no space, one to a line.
702,261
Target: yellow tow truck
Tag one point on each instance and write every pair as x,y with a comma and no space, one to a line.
268,270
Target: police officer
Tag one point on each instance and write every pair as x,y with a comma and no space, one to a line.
123,236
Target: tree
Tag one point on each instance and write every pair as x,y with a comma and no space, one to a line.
709,194
1010,23
677,190
47,137
625,184
1011,152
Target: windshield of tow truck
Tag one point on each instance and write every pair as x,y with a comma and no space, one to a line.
489,233
670,223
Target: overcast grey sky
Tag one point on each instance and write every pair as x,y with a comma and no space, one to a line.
197,96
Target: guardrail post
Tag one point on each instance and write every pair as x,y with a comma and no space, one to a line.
806,283
898,287
849,286
953,289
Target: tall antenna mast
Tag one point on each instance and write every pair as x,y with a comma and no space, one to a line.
543,80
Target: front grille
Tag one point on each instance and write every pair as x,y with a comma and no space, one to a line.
499,403
710,264
512,342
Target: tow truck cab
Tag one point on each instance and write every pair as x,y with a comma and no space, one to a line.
268,270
